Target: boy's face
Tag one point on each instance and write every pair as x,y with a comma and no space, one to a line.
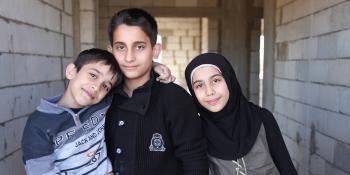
90,85
134,52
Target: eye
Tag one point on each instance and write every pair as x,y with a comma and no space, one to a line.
105,87
92,75
140,47
216,80
120,48
198,86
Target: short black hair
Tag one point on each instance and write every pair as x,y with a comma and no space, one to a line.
95,55
134,17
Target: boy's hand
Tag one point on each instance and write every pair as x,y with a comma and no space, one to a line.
164,73
109,173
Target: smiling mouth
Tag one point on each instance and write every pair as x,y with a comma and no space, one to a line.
130,67
213,101
89,94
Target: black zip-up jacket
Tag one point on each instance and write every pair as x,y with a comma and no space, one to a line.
155,132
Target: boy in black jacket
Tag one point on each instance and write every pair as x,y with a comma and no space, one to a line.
144,134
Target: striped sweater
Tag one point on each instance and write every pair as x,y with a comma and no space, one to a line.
58,141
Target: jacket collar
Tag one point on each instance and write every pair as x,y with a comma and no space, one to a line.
140,100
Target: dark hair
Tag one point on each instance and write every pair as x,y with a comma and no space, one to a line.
134,17
98,55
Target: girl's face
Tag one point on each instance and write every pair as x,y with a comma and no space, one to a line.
210,88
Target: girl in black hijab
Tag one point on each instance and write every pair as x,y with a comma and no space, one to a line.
242,137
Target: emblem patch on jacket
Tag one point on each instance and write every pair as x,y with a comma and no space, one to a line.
157,143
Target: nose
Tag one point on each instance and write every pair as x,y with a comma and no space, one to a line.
209,90
130,57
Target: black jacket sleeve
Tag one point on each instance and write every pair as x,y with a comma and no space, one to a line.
277,147
186,133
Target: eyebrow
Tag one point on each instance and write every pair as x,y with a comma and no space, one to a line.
218,74
96,70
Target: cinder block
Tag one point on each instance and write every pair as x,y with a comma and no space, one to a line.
194,32
325,146
13,134
87,5
87,27
173,39
123,3
69,49
67,24
331,169
86,46
180,32
5,45
339,72
11,164
345,101
22,37
192,54
338,125
39,13
278,17
324,96
340,18
187,39
317,165
321,22
68,6
280,3
327,46
186,3
300,113
164,3
181,60
141,3
207,3
172,46
296,10
254,83
318,71
7,66
187,46
342,42
2,144
342,154
55,3
325,4
180,53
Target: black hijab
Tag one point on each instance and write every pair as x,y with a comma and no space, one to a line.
231,132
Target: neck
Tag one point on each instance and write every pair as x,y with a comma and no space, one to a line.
67,101
131,84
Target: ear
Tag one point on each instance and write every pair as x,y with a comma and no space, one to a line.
109,48
157,48
71,71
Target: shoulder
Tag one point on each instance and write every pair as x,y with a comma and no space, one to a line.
171,90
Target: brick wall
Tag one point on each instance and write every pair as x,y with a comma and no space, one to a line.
312,85
36,43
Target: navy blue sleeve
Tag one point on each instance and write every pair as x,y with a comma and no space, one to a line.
277,147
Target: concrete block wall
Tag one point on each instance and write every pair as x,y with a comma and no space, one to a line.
88,24
312,85
181,42
36,43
